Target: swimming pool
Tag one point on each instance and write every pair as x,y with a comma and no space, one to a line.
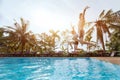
57,69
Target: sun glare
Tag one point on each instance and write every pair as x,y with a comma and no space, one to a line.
48,20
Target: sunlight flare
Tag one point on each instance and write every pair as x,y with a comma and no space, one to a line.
48,20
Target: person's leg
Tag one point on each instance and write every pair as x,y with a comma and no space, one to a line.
75,45
70,43
85,42
81,39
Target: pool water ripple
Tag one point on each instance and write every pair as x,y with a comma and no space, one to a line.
57,69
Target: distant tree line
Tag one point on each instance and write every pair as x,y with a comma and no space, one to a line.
17,38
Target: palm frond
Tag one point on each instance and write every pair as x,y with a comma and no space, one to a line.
24,25
105,29
102,14
17,26
114,26
87,24
10,28
90,30
109,12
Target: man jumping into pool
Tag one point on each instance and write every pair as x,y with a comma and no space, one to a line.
81,25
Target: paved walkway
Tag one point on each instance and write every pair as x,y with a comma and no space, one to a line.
115,60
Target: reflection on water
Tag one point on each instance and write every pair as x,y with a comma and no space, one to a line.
57,68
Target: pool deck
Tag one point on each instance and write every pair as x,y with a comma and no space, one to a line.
114,60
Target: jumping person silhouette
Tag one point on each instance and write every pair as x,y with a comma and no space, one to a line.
81,25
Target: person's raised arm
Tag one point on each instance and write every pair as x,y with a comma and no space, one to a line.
85,10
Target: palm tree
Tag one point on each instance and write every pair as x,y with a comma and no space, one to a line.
101,26
114,43
54,35
66,40
19,34
44,42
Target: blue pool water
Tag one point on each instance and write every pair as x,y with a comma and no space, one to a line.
57,69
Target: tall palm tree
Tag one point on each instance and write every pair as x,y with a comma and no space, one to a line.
20,34
101,26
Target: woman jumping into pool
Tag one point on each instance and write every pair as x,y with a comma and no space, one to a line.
81,25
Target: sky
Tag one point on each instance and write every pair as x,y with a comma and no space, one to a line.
44,15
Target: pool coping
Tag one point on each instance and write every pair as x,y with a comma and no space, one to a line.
114,60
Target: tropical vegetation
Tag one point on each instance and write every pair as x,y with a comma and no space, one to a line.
17,39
